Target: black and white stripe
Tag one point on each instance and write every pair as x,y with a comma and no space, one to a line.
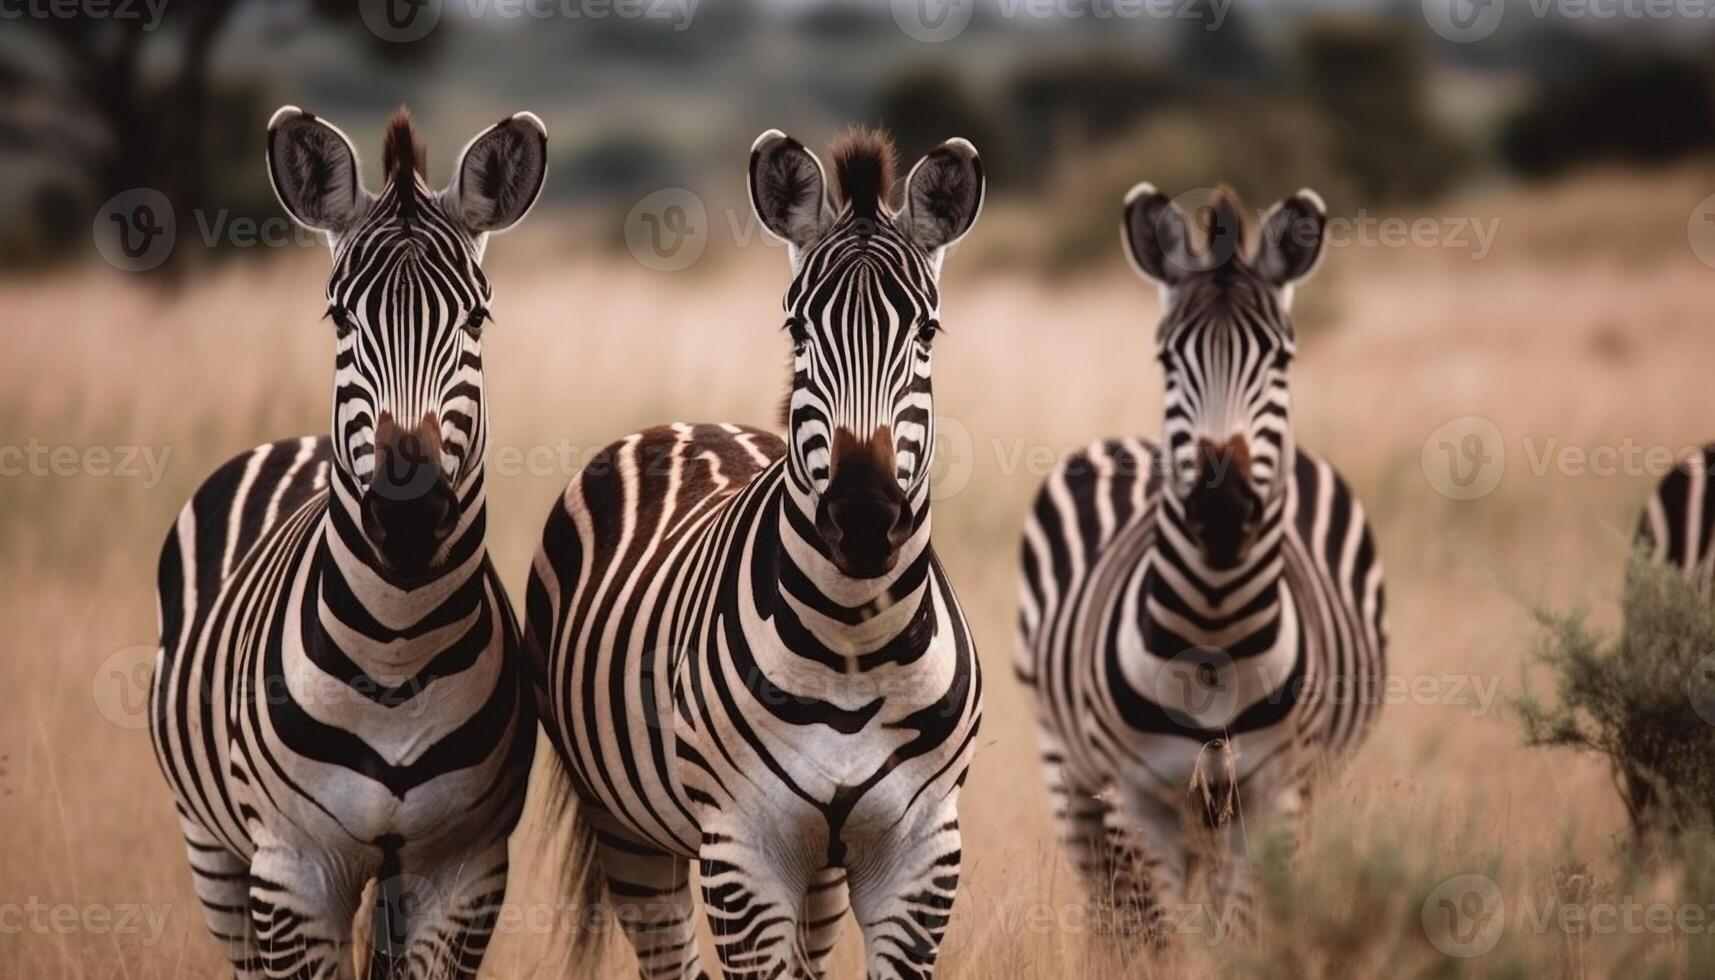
339,696
752,658
1201,622
1678,526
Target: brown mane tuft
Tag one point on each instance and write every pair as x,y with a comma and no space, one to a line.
864,170
402,152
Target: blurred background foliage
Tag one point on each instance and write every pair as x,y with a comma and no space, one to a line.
1357,99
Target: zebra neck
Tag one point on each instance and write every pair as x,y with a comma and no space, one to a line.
381,620
1199,605
824,613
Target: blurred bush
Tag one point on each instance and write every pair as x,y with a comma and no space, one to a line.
1644,700
1369,81
1621,105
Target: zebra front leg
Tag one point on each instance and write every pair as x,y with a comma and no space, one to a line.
301,908
1101,851
825,906
753,905
903,894
222,882
435,923
649,891
1152,832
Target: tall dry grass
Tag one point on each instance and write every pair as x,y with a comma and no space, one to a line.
1566,332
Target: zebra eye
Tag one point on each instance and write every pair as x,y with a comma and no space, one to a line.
341,318
473,323
927,332
800,334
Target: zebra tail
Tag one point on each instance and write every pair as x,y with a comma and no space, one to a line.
580,872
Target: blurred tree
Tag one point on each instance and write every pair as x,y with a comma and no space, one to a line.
924,105
1623,105
1369,80
1077,102
109,104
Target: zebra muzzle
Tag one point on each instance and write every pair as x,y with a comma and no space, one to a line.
1222,507
864,516
410,508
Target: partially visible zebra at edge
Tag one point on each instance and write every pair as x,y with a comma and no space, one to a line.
1677,532
339,697
753,658
1202,622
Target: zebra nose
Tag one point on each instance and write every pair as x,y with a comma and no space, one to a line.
410,508
1222,504
864,516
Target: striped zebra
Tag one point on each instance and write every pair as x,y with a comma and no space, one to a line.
1200,622
1677,532
753,658
339,696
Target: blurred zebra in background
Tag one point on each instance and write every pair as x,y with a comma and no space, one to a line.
1678,526
1200,622
339,696
753,658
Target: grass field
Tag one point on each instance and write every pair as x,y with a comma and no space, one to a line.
1585,329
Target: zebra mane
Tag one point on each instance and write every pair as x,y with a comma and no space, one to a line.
403,158
863,170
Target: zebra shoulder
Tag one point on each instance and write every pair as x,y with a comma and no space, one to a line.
230,511
1678,523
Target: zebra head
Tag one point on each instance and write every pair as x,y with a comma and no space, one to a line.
862,311
1225,343
408,300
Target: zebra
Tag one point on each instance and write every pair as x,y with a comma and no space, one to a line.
339,697
1199,622
1677,533
752,656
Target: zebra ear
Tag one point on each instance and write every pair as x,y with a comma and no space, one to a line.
313,168
500,174
788,189
1155,235
943,195
1292,237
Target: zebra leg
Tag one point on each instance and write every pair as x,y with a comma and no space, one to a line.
903,899
753,907
825,905
650,892
301,909
1100,849
1154,833
436,924
222,881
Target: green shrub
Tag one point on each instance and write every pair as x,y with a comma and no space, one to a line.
1644,699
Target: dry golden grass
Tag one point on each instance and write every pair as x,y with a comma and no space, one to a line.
1586,344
